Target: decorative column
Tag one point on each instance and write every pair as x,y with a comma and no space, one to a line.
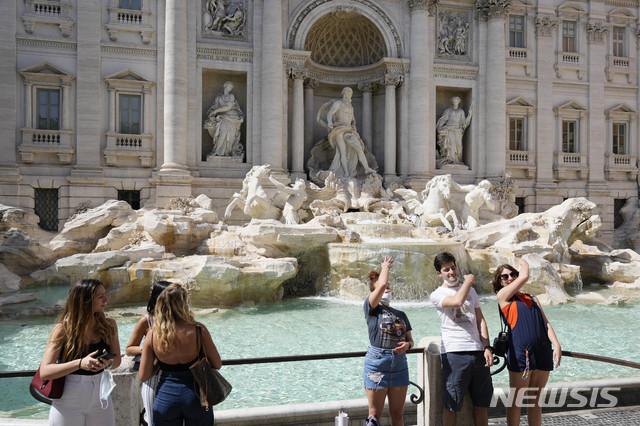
28,104
66,101
112,109
422,159
174,179
175,87
309,115
9,172
545,141
594,142
390,82
272,99
494,12
297,126
366,125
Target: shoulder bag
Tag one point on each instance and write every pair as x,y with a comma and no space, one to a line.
211,387
51,389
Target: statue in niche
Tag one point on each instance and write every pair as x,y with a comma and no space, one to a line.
233,23
452,36
343,147
223,124
450,127
216,10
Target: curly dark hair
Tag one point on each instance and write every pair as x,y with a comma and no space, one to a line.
373,277
496,281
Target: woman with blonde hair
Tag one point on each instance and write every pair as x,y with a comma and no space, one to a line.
82,333
173,344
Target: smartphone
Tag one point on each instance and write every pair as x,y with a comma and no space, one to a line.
106,356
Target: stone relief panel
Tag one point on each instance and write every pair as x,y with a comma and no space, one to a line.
454,33
224,19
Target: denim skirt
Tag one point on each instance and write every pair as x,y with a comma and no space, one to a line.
384,368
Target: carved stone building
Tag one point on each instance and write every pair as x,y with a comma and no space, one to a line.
107,99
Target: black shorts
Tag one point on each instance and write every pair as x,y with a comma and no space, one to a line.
462,372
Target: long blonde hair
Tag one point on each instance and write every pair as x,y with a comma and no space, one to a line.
77,318
172,307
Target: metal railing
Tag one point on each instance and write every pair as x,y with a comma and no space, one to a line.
416,399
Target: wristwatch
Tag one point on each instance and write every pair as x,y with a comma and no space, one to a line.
488,347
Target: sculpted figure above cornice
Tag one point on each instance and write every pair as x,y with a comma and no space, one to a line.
545,26
490,9
596,31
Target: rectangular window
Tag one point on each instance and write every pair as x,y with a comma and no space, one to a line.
130,113
130,4
520,203
618,204
516,134
516,31
48,109
619,138
46,208
569,137
618,41
130,196
569,36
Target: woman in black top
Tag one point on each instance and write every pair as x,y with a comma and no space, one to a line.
83,332
386,373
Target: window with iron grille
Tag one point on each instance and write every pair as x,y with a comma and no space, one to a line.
618,204
516,31
48,109
130,113
130,4
46,208
130,196
569,36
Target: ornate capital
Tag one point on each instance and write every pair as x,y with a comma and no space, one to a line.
426,5
596,31
297,73
366,87
545,26
493,9
392,80
311,83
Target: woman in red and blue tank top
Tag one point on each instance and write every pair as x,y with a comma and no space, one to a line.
530,357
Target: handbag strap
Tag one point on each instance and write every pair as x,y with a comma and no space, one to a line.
199,342
504,324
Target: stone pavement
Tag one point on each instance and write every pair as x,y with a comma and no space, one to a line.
622,416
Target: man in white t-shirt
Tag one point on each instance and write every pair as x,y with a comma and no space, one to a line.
465,354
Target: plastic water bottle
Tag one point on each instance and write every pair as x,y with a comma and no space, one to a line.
342,419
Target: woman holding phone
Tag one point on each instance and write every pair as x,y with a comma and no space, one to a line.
83,333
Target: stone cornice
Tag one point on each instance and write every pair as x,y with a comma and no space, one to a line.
622,3
445,70
227,54
493,9
373,73
126,50
46,43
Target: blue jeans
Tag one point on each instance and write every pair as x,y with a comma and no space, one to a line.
176,401
383,368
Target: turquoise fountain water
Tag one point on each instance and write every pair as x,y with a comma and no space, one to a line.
325,325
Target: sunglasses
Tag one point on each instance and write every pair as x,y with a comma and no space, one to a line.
505,277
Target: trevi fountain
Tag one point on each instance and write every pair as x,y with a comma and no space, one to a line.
307,246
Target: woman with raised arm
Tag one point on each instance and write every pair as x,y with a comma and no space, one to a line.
386,374
82,333
134,348
174,343
531,356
